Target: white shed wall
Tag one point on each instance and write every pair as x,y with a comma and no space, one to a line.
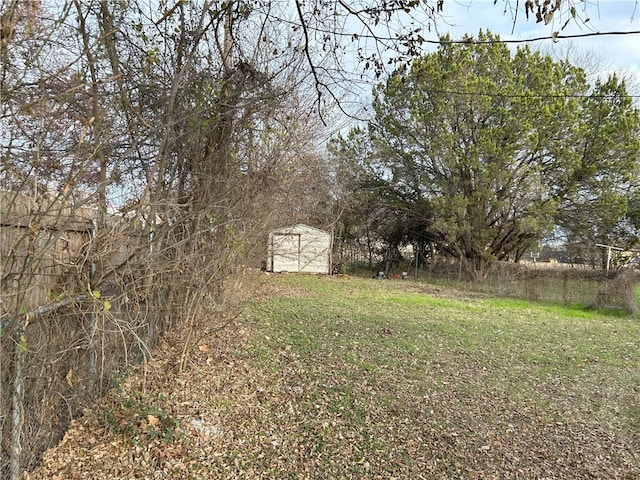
300,248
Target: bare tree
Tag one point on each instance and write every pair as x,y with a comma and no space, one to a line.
146,156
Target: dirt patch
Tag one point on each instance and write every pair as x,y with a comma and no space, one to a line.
267,286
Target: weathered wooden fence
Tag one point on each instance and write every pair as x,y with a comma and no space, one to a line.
73,311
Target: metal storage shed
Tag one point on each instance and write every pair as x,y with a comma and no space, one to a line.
299,248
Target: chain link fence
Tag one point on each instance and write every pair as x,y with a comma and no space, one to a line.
613,290
75,308
575,287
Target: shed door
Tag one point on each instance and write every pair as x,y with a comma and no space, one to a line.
286,252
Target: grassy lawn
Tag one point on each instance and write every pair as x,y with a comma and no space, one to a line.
350,378
396,379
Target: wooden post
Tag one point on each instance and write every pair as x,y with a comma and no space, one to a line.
609,248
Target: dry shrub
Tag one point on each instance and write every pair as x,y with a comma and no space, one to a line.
620,292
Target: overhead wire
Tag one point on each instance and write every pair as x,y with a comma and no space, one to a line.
553,37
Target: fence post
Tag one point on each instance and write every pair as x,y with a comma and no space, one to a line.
609,249
17,400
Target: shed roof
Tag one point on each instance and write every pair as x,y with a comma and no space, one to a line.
299,227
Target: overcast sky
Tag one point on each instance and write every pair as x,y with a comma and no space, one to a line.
623,51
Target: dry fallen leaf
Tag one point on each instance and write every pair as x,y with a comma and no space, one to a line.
153,420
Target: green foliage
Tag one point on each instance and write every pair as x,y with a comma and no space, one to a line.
483,151
604,176
139,417
633,211
22,343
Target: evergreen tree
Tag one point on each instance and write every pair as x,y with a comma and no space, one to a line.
489,149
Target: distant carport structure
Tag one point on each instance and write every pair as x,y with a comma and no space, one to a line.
299,248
